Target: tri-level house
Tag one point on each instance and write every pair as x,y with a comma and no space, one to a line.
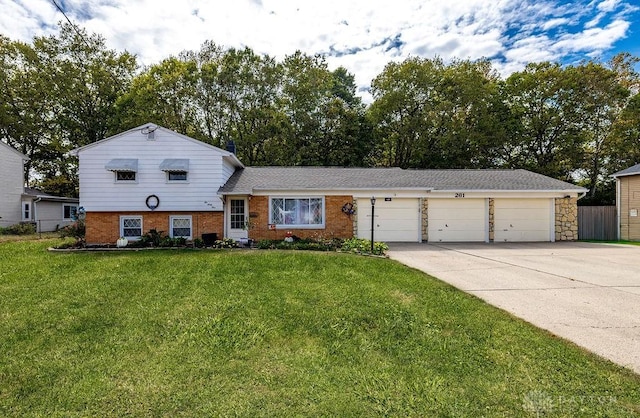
22,204
153,178
150,177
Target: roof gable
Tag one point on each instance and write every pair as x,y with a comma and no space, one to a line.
151,128
13,150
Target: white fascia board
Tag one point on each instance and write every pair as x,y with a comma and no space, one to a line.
356,193
499,193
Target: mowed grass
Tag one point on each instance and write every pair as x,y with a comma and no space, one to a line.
253,333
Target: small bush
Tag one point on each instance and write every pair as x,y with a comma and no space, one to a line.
225,243
75,230
363,246
198,243
26,228
301,244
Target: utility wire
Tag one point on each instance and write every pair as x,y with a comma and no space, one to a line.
73,25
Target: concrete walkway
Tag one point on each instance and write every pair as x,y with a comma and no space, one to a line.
587,293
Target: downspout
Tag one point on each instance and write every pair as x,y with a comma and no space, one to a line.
35,214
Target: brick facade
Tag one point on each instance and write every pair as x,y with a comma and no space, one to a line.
337,223
104,227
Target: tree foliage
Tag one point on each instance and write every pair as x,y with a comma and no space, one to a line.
577,123
59,93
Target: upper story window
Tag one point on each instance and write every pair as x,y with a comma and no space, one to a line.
177,169
125,176
177,175
124,169
305,212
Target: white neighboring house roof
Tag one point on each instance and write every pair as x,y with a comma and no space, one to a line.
42,196
152,127
10,148
631,171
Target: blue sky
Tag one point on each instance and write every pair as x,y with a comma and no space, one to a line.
361,35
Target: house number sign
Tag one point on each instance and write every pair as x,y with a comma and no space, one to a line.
459,195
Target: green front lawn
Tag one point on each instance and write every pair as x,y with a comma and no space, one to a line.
253,333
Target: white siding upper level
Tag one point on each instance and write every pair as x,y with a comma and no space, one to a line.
12,184
208,169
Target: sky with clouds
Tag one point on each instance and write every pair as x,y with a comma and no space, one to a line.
361,35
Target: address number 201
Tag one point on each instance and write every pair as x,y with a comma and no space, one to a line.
459,195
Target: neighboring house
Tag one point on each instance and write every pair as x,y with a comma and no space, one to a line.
153,178
628,203
150,177
11,187
48,212
21,204
410,205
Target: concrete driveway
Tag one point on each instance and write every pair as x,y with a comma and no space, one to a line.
587,293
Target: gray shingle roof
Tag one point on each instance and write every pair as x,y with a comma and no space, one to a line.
251,179
628,171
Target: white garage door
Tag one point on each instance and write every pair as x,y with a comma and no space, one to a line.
395,220
457,220
522,220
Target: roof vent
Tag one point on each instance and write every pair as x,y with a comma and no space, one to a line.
231,146
149,131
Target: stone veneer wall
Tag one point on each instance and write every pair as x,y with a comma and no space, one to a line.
566,219
354,217
425,219
492,227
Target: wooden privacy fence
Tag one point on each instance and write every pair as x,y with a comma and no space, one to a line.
597,222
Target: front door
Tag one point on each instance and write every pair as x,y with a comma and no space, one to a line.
238,225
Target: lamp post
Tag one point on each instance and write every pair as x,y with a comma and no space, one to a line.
373,207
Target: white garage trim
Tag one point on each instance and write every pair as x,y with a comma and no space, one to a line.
524,220
458,220
396,219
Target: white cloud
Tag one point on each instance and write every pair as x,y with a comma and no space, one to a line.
608,5
361,35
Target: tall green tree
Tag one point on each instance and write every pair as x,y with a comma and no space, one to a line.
545,137
27,107
162,94
59,93
428,114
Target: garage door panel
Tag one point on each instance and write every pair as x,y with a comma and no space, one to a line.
456,214
523,224
457,220
522,220
395,220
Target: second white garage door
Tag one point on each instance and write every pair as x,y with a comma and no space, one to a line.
458,220
396,220
522,220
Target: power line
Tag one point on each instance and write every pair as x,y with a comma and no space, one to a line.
55,3
73,25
